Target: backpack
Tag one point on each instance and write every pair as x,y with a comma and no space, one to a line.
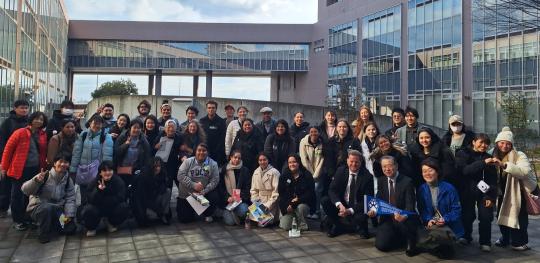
101,136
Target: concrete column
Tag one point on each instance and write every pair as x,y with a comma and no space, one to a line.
150,84
70,77
466,65
195,86
159,73
208,83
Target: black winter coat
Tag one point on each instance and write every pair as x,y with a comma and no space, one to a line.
298,133
215,130
443,155
144,151
473,168
55,123
288,188
250,145
243,182
9,125
278,148
405,166
338,150
110,197
467,141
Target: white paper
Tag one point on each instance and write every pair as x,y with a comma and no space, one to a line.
199,209
233,205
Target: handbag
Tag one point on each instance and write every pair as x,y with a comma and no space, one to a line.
533,203
86,173
127,170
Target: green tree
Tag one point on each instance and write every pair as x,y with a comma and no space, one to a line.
514,107
115,87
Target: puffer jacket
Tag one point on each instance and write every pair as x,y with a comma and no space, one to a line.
447,204
54,190
230,135
89,150
16,151
10,125
312,156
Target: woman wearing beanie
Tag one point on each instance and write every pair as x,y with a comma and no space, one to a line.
515,178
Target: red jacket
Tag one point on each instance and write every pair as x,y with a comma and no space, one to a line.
16,152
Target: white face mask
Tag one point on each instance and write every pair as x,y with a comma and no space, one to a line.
456,128
67,111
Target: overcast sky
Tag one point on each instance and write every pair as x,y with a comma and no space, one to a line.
238,11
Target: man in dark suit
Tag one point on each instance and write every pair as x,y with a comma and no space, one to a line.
344,204
398,190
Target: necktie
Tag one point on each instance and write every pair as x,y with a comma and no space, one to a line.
392,189
352,191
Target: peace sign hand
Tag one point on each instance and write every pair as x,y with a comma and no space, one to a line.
101,184
41,176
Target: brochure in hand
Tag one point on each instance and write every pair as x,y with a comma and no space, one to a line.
259,214
236,198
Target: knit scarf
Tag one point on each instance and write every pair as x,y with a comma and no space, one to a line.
230,178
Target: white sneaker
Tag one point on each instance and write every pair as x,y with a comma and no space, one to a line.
485,248
209,219
520,248
91,233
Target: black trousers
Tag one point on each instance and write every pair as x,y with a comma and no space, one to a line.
485,217
358,221
392,234
46,215
513,236
116,215
5,194
185,212
160,204
19,201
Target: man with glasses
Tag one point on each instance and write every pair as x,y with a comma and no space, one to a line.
398,120
143,108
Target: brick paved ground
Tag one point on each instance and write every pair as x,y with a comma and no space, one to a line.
214,242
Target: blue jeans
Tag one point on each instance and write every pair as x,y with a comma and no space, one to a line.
230,217
319,189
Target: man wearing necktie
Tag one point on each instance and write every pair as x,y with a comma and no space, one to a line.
398,190
344,204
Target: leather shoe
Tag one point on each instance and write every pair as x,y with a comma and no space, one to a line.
332,232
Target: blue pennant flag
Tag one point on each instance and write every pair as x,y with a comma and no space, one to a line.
382,207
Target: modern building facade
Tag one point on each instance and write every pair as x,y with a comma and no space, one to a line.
442,57
33,49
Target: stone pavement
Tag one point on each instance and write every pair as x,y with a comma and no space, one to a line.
214,242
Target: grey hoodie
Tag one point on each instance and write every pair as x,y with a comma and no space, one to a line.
192,172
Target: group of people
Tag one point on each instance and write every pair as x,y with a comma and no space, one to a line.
58,173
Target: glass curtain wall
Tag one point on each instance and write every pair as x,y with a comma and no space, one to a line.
505,60
381,51
343,66
188,56
43,49
435,49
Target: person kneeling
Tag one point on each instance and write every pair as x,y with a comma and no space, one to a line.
397,190
198,175
152,192
344,205
52,194
440,211
106,199
235,177
296,189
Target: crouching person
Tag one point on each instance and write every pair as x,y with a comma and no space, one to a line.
235,176
198,175
52,199
152,192
440,211
296,189
397,229
106,199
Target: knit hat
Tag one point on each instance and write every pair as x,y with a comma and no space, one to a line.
505,135
454,119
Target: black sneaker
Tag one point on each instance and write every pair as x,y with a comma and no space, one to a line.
501,243
44,239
